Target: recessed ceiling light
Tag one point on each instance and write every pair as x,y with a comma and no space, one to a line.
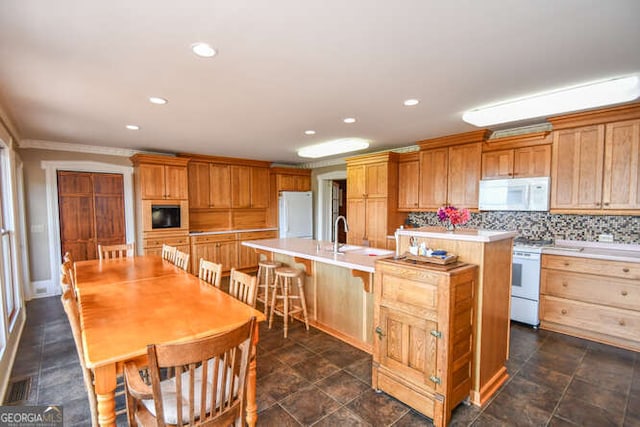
157,100
574,98
337,146
133,127
203,49
411,102
310,132
349,120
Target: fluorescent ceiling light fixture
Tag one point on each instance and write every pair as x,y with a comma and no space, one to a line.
203,49
349,120
157,100
575,98
337,146
133,127
310,132
411,102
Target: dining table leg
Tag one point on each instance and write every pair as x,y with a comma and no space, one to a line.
252,407
105,386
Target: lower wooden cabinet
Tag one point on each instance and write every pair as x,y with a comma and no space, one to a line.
590,298
423,335
152,242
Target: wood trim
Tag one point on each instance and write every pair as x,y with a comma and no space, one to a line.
386,156
136,159
226,160
517,141
365,277
308,265
409,157
457,139
290,171
596,117
598,212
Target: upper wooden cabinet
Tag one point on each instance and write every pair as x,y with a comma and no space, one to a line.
596,161
209,185
249,187
372,214
161,177
464,175
519,156
291,179
408,181
433,178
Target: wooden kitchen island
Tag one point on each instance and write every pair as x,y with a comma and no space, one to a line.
338,287
491,251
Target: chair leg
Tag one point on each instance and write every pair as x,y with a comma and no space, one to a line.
303,301
285,315
273,303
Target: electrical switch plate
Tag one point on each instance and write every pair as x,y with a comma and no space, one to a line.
608,238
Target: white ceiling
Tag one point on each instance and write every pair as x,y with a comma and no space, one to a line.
78,71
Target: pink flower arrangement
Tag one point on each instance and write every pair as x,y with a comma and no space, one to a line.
453,215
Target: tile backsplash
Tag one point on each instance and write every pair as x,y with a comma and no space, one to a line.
544,225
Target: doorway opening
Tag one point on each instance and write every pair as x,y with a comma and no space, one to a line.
338,207
328,202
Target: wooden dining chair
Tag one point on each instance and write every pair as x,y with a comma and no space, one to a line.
210,272
169,252
116,251
243,286
67,279
181,260
209,381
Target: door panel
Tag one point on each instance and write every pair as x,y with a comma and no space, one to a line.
76,227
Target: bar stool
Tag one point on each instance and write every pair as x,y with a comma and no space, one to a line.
284,278
266,279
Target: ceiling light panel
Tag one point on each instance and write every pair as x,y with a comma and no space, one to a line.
133,127
598,94
349,120
330,148
157,100
411,102
203,50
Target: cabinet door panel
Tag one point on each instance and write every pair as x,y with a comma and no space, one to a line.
621,189
433,177
408,180
240,186
407,346
227,255
376,180
356,182
532,161
464,175
356,216
577,167
198,175
376,222
497,164
259,187
220,188
152,181
176,182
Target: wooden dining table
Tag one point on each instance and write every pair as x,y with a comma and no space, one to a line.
128,303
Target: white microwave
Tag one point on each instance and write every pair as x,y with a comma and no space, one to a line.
519,194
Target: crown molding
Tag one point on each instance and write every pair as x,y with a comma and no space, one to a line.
77,148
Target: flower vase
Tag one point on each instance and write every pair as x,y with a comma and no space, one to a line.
451,228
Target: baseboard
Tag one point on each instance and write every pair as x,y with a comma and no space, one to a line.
42,288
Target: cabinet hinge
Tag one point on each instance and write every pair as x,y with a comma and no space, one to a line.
436,334
435,379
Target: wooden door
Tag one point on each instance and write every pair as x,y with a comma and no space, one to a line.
497,164
433,178
259,187
408,180
240,186
376,180
220,187
356,216
532,161
407,347
91,209
464,175
199,186
356,187
227,254
577,165
376,221
621,186
176,182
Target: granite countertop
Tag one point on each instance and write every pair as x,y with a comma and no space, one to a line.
470,235
205,233
595,250
353,257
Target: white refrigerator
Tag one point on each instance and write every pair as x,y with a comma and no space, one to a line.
295,214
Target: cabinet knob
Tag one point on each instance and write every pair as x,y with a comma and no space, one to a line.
563,311
598,204
606,203
566,264
623,293
565,284
626,270
621,322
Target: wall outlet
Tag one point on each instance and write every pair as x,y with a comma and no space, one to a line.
607,238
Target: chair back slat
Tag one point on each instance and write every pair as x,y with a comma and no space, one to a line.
169,252
116,251
243,286
210,272
181,260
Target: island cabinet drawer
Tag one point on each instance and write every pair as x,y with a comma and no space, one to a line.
612,292
400,291
600,267
208,238
171,241
257,235
591,319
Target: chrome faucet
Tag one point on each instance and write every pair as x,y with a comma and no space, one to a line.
335,233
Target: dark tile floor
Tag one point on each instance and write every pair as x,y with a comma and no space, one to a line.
314,379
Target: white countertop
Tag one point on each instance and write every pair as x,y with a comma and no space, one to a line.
595,250
205,233
308,249
466,234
